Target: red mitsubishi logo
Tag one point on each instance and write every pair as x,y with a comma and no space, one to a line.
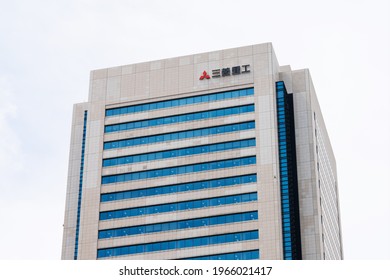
204,76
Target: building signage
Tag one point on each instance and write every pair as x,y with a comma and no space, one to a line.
204,76
224,72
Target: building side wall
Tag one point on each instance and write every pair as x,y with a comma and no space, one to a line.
317,175
297,82
328,185
72,191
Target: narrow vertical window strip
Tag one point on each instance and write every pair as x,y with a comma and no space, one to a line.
288,175
80,186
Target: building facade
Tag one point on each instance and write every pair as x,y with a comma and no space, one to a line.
219,155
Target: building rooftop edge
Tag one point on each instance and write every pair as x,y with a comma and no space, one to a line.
197,57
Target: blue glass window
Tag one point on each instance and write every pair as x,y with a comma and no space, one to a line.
180,118
178,244
179,102
109,179
179,135
287,168
200,222
177,206
180,152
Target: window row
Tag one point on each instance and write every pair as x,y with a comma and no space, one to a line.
180,152
178,244
185,187
247,255
180,118
178,170
179,135
178,225
178,206
179,102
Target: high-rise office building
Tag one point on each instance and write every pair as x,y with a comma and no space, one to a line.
219,155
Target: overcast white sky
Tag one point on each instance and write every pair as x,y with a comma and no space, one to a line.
47,49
